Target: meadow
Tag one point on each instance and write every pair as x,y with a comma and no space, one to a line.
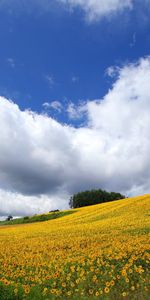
98,252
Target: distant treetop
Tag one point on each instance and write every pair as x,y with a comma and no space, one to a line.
93,197
9,218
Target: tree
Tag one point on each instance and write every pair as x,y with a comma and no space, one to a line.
71,202
9,218
92,197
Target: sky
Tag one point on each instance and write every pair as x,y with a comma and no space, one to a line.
74,101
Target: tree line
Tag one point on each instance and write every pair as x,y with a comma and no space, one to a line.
92,197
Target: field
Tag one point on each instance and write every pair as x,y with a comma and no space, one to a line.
98,252
37,218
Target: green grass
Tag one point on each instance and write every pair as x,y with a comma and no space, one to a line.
136,232
37,218
8,293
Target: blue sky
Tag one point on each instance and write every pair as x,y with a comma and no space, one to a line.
74,100
58,55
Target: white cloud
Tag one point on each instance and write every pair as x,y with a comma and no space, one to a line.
46,105
95,9
56,105
112,71
42,162
76,111
20,205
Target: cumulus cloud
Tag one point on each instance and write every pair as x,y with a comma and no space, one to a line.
17,204
43,162
95,9
76,111
55,105
112,71
36,162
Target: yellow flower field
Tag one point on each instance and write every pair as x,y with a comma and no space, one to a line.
98,252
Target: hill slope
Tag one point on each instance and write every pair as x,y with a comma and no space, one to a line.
37,218
99,252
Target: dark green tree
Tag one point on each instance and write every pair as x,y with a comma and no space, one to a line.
92,197
9,218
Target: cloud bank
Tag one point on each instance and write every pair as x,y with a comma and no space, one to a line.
43,162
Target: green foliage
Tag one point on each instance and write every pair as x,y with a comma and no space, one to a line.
37,218
93,197
8,293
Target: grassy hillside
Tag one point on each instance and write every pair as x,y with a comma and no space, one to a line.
99,252
37,218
